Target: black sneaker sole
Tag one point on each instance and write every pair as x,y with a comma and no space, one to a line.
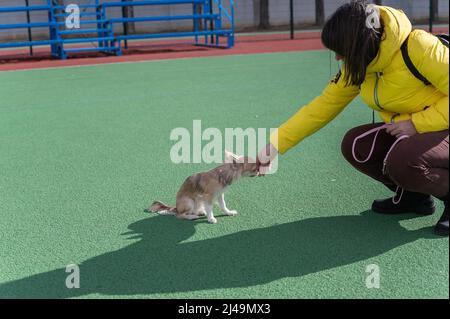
423,212
441,230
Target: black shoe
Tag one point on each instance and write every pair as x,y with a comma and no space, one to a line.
441,227
410,203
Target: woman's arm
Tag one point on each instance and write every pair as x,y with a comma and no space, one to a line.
315,115
309,119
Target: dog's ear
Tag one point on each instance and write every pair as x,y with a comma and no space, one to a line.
231,157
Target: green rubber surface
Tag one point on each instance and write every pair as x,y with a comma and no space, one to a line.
84,150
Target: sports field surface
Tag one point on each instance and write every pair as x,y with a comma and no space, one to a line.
84,150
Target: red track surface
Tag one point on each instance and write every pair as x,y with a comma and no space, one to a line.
161,50
166,49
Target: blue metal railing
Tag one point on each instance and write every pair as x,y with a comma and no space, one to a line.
229,16
212,25
149,3
24,9
229,33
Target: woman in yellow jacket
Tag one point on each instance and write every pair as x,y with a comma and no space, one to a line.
409,151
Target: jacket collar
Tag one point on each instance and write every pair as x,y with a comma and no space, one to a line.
396,29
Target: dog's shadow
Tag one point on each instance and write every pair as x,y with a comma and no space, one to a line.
160,262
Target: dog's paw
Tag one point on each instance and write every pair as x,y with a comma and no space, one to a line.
231,213
212,220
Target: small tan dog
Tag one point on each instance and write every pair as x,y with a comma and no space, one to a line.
200,191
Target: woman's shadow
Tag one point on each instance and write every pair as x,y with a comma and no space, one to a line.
160,262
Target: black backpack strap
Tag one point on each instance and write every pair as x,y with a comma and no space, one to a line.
410,64
444,39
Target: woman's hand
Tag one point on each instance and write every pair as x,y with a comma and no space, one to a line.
402,128
265,158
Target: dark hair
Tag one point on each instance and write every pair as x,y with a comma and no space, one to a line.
347,34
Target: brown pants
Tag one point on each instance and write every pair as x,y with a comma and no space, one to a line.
417,164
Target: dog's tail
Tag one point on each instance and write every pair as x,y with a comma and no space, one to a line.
162,209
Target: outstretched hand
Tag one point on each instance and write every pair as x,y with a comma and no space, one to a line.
265,158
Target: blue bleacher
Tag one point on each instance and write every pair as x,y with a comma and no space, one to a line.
99,28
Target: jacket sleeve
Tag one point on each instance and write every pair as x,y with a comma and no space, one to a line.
315,115
430,57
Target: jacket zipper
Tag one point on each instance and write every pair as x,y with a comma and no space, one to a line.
377,102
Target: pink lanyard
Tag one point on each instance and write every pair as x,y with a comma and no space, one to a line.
377,130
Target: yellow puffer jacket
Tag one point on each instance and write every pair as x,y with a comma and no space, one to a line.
389,87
